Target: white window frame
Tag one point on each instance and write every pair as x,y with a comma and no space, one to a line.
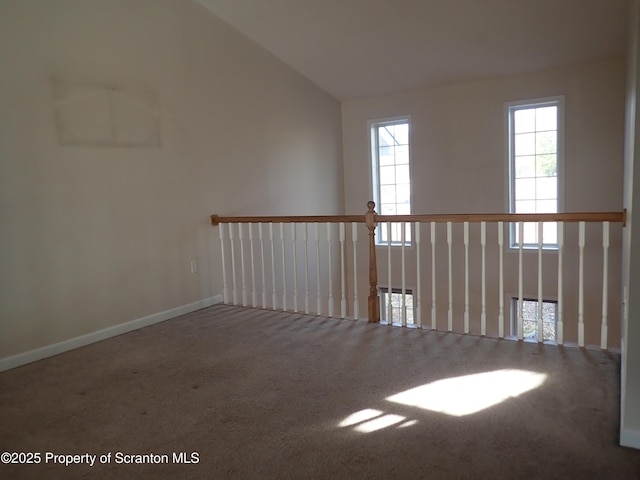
510,108
375,180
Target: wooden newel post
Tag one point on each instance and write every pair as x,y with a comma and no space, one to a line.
374,301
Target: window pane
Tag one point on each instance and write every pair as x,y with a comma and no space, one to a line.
525,144
387,175
385,137
403,193
525,189
403,209
388,194
546,142
402,134
530,233
386,156
529,328
530,311
527,206
402,174
547,118
388,209
548,312
546,188
549,332
409,303
382,227
395,301
550,233
396,231
546,206
525,166
547,166
524,120
402,154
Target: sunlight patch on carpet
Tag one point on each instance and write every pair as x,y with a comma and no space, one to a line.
408,423
379,423
361,416
369,420
470,394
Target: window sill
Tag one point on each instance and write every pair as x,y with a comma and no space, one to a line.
534,248
394,245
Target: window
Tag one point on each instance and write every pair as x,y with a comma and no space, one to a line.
396,305
391,175
530,318
535,161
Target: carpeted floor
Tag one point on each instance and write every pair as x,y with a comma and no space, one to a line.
253,394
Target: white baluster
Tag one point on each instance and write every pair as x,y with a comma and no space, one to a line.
254,294
330,240
501,281
284,269
417,307
233,266
450,311
540,299
244,285
466,277
274,301
581,226
605,284
306,268
354,238
390,287
403,286
520,285
295,266
343,280
433,276
264,286
483,311
225,292
560,320
319,296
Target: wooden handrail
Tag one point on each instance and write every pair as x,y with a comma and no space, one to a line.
215,219
615,217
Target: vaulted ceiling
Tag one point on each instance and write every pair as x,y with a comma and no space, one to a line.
359,48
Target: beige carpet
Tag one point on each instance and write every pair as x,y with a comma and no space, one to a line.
265,395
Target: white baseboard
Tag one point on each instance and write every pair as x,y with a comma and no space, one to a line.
630,438
8,363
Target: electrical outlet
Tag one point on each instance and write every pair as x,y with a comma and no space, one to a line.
194,266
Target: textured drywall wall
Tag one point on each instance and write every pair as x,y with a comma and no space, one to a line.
97,235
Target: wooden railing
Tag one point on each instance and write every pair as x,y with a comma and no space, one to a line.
329,220
300,224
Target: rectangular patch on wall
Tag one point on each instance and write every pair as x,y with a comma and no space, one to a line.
106,116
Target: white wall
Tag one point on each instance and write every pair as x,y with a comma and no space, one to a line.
459,166
96,236
630,368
